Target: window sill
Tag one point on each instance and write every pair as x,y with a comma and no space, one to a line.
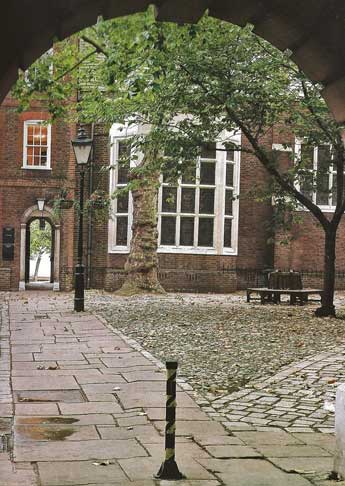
324,209
29,167
179,251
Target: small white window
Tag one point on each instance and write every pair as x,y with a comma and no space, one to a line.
37,145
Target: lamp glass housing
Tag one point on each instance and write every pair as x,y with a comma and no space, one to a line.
40,204
82,146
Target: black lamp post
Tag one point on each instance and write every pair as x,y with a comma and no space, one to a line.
82,149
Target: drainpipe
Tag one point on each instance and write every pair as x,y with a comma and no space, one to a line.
89,229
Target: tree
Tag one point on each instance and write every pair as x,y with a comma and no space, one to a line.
190,85
40,243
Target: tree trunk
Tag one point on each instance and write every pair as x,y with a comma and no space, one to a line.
142,263
327,302
37,266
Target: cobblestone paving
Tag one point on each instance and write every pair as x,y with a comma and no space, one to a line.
298,398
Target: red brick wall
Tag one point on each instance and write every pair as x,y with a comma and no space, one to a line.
20,188
305,252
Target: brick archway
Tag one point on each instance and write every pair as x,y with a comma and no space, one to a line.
313,31
30,214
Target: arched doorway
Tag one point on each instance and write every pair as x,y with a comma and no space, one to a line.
39,240
39,255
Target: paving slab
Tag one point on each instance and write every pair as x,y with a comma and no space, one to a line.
77,450
79,472
274,437
89,408
231,451
252,472
304,464
293,451
44,383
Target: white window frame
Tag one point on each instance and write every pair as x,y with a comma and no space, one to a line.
25,165
219,208
298,154
119,133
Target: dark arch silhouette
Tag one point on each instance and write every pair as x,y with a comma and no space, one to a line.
314,30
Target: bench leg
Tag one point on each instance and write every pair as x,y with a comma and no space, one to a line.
292,299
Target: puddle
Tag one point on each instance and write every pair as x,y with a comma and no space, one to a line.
46,420
43,433
60,420
67,396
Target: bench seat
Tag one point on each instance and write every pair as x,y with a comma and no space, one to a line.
267,295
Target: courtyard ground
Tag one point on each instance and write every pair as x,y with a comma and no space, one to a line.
82,404
226,345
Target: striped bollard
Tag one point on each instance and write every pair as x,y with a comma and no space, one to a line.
169,468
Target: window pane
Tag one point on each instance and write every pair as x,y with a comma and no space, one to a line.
206,201
307,156
187,232
169,199
122,203
324,157
207,173
322,191
30,156
208,151
124,150
37,135
44,132
189,175
123,162
306,185
122,174
323,171
228,203
121,231
230,153
230,175
187,200
334,190
168,227
169,171
205,232
30,135
227,233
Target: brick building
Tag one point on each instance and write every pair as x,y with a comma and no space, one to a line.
208,240
36,163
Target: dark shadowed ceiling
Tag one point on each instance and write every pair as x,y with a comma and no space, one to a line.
314,30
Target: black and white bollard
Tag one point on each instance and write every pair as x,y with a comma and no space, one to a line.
169,468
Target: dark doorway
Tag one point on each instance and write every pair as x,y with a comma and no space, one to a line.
39,253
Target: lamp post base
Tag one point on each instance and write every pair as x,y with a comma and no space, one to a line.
79,288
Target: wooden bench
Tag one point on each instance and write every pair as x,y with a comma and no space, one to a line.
283,283
267,295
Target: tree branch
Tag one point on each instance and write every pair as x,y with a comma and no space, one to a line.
264,159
